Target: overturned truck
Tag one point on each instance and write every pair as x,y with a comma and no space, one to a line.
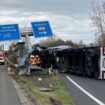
86,61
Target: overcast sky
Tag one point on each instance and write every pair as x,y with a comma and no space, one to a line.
69,19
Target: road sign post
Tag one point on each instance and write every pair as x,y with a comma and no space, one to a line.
28,41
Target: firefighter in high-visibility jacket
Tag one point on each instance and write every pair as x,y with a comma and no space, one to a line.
35,58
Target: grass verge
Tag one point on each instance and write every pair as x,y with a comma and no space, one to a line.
60,92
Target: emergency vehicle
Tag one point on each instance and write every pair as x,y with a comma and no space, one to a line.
2,57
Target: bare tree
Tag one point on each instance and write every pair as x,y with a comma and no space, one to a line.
98,19
49,40
54,38
81,43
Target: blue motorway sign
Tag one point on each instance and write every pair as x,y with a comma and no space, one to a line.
41,29
9,32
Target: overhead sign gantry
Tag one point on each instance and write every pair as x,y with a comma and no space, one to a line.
11,32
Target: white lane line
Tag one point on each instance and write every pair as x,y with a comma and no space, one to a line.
86,92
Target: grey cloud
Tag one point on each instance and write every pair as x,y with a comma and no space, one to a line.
21,10
61,6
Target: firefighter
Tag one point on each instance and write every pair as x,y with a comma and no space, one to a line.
35,56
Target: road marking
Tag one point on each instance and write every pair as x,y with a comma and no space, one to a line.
86,92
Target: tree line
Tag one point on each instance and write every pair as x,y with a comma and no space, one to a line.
55,41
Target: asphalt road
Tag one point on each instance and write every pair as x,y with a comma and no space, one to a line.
92,86
8,95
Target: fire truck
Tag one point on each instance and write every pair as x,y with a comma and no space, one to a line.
2,57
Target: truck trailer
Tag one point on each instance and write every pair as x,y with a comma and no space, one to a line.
84,61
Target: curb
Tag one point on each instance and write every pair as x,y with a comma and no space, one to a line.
21,93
